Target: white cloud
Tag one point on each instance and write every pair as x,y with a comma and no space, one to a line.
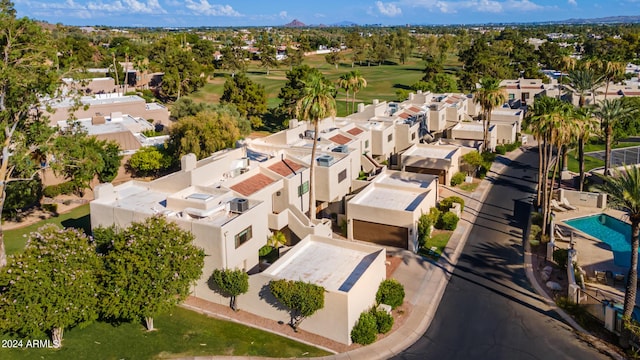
388,9
204,8
444,8
484,6
283,14
572,2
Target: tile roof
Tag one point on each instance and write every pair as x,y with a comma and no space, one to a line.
283,170
124,139
415,109
355,131
404,115
252,184
340,139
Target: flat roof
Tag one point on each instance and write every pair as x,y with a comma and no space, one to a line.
333,267
390,198
432,152
469,127
124,123
405,179
98,99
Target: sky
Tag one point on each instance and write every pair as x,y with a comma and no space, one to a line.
189,13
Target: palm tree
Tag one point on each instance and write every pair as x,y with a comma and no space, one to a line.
565,63
317,103
587,127
584,81
358,82
623,189
345,83
490,95
610,112
612,71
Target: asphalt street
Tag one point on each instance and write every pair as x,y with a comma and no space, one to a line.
489,310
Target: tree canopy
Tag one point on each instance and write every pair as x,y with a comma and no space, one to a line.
231,283
249,98
304,299
148,268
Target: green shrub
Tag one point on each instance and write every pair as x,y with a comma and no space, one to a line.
536,218
488,158
447,203
390,292
534,233
384,321
434,215
458,178
501,149
265,250
448,221
64,188
512,146
366,329
561,256
52,208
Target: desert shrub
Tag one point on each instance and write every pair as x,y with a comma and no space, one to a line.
534,233
390,292
448,221
384,320
366,329
64,188
457,178
447,203
560,256
501,149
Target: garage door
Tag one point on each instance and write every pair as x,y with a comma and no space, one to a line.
441,173
381,234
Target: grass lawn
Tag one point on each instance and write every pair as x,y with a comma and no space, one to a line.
77,218
468,187
591,162
439,240
383,80
182,333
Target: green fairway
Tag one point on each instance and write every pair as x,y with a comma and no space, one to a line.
383,80
77,218
591,162
181,333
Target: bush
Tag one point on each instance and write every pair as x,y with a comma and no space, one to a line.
536,218
265,250
390,292
458,178
512,146
64,188
425,222
447,203
534,233
52,208
448,221
384,321
366,329
561,256
501,149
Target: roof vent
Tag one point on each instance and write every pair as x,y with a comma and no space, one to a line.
341,149
239,205
324,160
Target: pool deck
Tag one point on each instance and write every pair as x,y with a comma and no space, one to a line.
593,254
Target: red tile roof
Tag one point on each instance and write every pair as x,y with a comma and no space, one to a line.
512,86
404,115
340,139
283,170
355,131
252,184
415,109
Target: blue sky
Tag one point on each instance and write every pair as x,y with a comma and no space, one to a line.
264,12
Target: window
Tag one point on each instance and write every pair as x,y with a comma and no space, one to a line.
390,137
366,144
525,95
512,96
243,236
342,175
303,189
413,136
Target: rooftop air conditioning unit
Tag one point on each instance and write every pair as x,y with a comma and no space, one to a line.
309,134
325,160
341,149
239,205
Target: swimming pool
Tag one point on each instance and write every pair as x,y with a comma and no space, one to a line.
613,232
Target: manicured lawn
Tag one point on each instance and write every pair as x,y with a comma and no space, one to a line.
468,187
77,218
383,80
591,162
439,240
182,333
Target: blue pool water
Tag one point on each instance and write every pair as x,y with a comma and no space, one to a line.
613,232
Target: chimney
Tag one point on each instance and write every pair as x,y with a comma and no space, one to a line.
188,162
360,107
375,102
411,96
97,119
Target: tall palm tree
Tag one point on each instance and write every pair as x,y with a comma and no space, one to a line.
612,71
316,103
587,126
584,81
345,82
565,63
358,82
623,189
490,95
610,112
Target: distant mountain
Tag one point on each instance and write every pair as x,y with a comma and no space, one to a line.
295,23
344,24
603,20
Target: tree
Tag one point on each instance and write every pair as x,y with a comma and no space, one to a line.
233,59
26,76
623,189
203,134
333,58
587,127
433,65
148,268
276,240
232,283
317,102
358,82
303,299
610,112
267,56
148,160
490,95
249,98
293,89
345,83
51,286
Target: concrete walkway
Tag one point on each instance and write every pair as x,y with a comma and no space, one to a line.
425,282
